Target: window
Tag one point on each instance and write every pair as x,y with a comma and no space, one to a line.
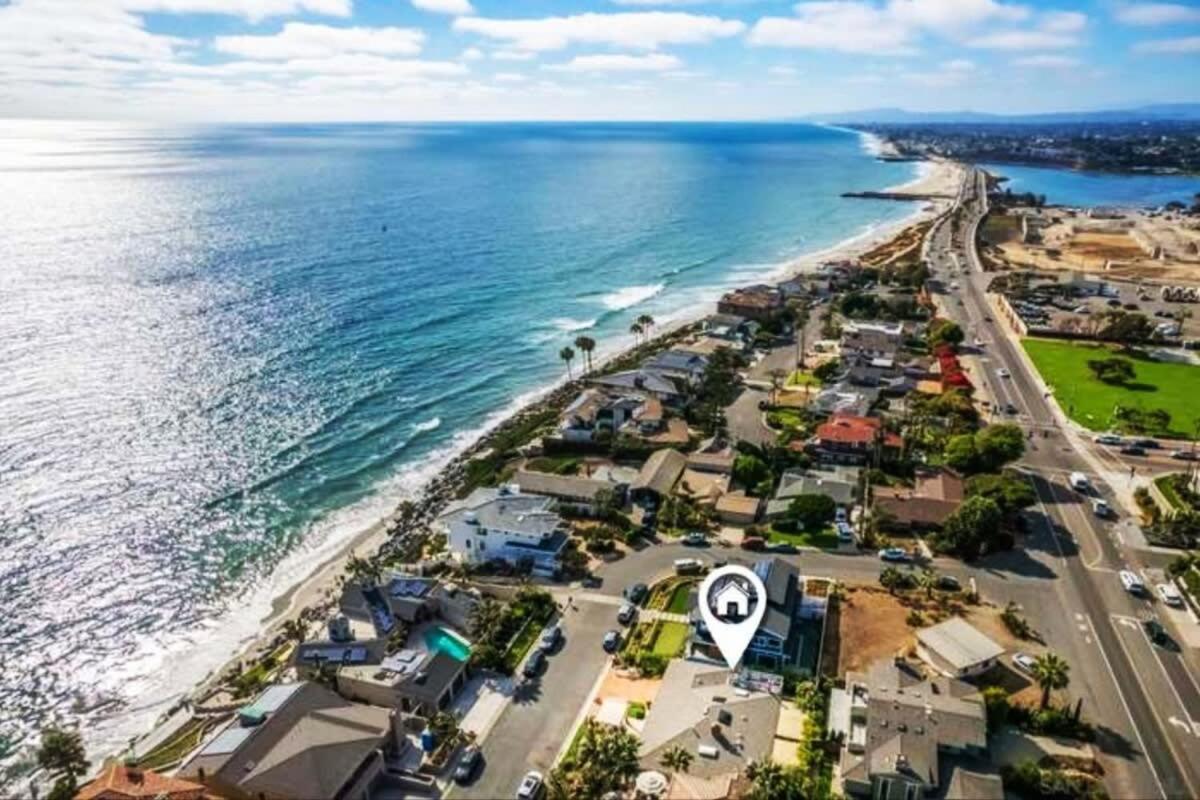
883,788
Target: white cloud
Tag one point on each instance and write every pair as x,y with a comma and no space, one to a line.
846,26
510,77
1024,40
1063,21
616,62
513,55
949,73
253,10
954,15
1150,14
471,54
783,71
638,30
958,65
1186,44
1047,62
303,40
456,7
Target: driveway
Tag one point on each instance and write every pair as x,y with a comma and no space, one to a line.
744,419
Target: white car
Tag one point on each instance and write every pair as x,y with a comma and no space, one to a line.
980,343
1101,509
1024,662
1108,438
531,786
1132,583
1003,373
1170,595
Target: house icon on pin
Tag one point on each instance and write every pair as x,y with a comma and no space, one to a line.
732,601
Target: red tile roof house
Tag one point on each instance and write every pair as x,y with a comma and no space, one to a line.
849,439
119,781
759,303
934,497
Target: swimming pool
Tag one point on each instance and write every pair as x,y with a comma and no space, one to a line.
447,642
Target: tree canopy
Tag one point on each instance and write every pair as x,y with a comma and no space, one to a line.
944,331
970,528
812,510
1112,370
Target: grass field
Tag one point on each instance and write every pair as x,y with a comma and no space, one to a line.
1156,385
670,639
826,538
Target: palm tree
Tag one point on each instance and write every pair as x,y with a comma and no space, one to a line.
294,630
647,322
928,580
62,754
566,354
800,329
1051,672
768,778
586,345
676,759
777,376
636,329
891,578
487,620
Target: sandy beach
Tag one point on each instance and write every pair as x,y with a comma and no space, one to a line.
319,587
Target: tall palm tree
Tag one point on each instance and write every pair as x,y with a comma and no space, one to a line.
566,354
928,580
636,329
1051,672
487,620
676,759
768,779
777,376
586,345
647,322
295,630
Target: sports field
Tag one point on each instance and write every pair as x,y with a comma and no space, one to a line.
1174,388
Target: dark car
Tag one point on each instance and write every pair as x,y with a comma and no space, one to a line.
948,583
1157,633
612,640
753,543
1183,455
1010,409
468,764
782,547
636,593
1149,444
1133,450
534,664
551,637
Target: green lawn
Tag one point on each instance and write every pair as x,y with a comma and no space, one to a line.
801,378
826,538
1156,385
670,640
679,598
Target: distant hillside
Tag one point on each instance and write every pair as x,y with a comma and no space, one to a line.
1174,112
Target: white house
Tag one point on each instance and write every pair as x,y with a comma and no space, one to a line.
502,524
732,600
872,339
957,649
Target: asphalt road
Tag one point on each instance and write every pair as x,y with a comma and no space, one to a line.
1143,698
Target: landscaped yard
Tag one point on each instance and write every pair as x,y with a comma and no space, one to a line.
802,378
825,538
670,639
1157,385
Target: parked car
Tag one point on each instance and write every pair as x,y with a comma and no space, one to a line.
551,637
1149,444
1132,583
1101,509
534,664
531,786
845,533
1009,408
782,547
1024,662
468,763
948,583
1108,438
1183,455
1003,373
626,613
753,543
688,566
636,593
1170,595
1079,482
611,640
1133,450
840,516
894,554
695,539
1157,633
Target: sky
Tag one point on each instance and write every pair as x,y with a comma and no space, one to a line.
350,60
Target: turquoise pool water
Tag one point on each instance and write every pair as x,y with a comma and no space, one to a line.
447,642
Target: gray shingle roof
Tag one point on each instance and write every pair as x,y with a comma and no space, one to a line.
959,642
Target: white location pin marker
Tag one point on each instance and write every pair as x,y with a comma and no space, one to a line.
732,612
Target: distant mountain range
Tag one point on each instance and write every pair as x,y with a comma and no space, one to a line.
1161,112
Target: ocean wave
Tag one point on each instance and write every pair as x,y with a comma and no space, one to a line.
569,325
631,296
428,425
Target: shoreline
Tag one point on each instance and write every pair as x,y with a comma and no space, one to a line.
317,587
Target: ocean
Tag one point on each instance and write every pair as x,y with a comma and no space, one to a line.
227,350
1074,188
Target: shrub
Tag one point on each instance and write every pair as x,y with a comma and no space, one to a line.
637,710
1017,625
914,619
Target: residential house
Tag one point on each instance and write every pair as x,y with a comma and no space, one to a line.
872,339
699,709
415,680
839,483
738,508
406,598
708,473
651,424
903,732
120,781
957,649
934,497
850,439
658,476
309,657
844,398
678,365
576,492
734,330
595,412
297,740
503,524
780,636
644,381
760,302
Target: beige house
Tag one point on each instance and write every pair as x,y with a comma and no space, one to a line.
957,649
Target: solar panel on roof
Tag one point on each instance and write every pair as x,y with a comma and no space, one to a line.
227,741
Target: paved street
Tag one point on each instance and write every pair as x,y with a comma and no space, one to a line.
744,419
1143,698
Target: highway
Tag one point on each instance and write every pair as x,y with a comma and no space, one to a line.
1143,698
